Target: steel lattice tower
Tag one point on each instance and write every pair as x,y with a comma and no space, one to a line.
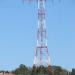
41,52
41,58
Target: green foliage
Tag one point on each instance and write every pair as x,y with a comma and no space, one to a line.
22,70
73,72
56,70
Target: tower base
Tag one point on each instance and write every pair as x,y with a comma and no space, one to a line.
41,70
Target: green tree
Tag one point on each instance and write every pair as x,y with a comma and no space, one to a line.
73,72
58,71
22,70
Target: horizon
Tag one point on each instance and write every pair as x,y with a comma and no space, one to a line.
18,30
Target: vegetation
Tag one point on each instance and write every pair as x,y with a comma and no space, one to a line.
56,70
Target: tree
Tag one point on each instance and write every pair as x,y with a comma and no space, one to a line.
58,71
73,72
41,70
22,70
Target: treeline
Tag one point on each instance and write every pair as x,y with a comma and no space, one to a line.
56,70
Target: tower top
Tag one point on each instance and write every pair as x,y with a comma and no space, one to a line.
39,0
